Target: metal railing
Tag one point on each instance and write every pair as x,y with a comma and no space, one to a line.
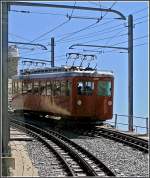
136,128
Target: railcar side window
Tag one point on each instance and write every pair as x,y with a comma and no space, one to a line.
85,88
20,87
35,87
24,87
29,88
68,88
49,88
57,88
104,88
63,88
15,87
43,88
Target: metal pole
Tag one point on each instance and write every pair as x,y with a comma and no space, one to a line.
52,52
130,72
115,121
147,126
5,120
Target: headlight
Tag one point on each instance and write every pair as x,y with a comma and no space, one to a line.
79,102
109,103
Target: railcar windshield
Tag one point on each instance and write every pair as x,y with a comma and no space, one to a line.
85,87
104,88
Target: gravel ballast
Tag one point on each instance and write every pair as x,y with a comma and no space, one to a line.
45,161
119,158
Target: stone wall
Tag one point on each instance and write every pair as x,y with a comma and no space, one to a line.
12,66
13,58
9,94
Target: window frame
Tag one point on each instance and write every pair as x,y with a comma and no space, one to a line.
84,91
105,88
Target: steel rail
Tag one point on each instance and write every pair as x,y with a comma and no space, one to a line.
127,139
82,150
61,141
79,159
55,152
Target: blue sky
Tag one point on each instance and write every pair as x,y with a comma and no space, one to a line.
26,27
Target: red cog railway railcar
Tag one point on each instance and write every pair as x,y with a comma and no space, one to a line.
70,93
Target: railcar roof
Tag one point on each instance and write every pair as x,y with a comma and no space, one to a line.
66,74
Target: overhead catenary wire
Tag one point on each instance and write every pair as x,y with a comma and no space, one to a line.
110,51
38,53
110,29
92,32
110,21
75,32
140,10
115,44
97,4
79,36
137,38
53,29
140,44
135,24
116,35
141,37
35,59
114,28
114,50
110,37
18,36
37,12
140,22
146,16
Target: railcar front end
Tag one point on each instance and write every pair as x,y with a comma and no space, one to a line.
93,98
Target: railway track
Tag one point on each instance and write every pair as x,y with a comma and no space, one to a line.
129,140
76,160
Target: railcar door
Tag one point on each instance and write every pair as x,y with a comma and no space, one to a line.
84,103
104,99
